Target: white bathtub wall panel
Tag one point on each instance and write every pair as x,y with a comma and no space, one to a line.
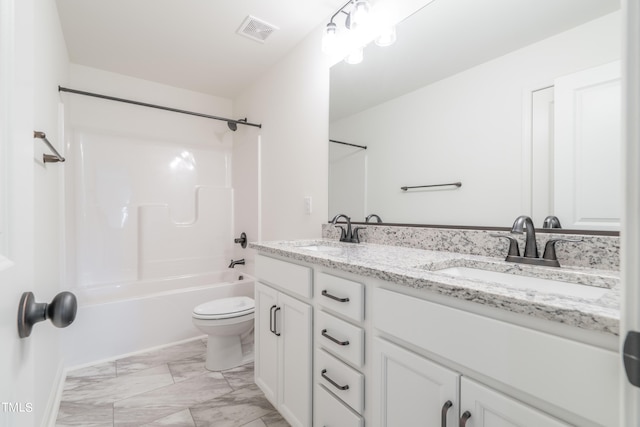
168,248
120,173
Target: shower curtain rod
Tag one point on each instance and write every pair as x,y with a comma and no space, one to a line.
364,147
160,107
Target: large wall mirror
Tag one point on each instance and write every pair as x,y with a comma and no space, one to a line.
519,101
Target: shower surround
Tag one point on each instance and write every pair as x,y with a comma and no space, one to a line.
149,199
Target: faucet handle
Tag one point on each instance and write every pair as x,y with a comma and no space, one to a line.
355,238
514,250
550,248
343,232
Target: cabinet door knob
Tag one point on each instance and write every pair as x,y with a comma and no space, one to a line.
333,297
326,335
464,418
333,383
445,408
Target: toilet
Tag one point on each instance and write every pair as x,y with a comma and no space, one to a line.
226,322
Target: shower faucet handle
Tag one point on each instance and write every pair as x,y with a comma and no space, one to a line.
242,240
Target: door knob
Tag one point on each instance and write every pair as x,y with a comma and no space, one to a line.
61,311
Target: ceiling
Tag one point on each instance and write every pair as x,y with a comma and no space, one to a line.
450,36
191,44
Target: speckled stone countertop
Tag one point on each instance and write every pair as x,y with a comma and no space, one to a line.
596,310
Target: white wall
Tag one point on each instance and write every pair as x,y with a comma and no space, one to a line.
292,103
469,128
50,70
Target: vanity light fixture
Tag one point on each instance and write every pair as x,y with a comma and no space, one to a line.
360,27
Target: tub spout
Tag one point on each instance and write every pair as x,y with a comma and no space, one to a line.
236,262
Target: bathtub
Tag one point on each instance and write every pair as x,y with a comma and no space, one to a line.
126,318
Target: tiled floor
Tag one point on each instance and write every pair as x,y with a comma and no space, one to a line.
166,387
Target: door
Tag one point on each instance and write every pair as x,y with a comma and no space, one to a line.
412,391
293,323
266,342
587,181
630,250
16,208
481,406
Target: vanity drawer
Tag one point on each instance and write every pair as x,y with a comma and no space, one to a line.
340,338
294,278
343,381
341,295
330,411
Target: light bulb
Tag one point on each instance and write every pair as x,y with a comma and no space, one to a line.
387,37
329,39
359,14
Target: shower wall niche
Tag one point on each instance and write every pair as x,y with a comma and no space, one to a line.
148,192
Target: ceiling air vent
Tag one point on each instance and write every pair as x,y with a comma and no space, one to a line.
256,29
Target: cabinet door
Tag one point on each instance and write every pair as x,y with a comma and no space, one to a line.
488,408
266,342
411,390
293,323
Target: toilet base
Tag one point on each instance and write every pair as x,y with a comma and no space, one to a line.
224,352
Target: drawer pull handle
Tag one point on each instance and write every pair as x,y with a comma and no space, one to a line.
275,323
271,319
326,335
333,383
333,297
445,408
464,418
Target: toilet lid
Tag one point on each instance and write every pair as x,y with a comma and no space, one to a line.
225,308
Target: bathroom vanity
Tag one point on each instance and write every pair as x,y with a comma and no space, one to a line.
377,335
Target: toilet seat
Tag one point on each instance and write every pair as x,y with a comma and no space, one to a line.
225,308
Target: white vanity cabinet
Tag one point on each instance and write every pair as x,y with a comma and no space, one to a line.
337,349
482,406
340,351
283,338
411,390
547,373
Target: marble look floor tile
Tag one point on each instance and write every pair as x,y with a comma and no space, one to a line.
122,387
161,356
242,376
188,368
274,419
255,423
179,419
162,402
85,415
90,374
233,409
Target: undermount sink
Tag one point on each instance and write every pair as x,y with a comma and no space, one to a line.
527,282
324,249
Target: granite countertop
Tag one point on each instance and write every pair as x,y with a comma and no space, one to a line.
596,310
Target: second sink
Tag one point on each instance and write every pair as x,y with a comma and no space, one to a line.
526,282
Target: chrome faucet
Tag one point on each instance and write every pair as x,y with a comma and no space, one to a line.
236,262
347,235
